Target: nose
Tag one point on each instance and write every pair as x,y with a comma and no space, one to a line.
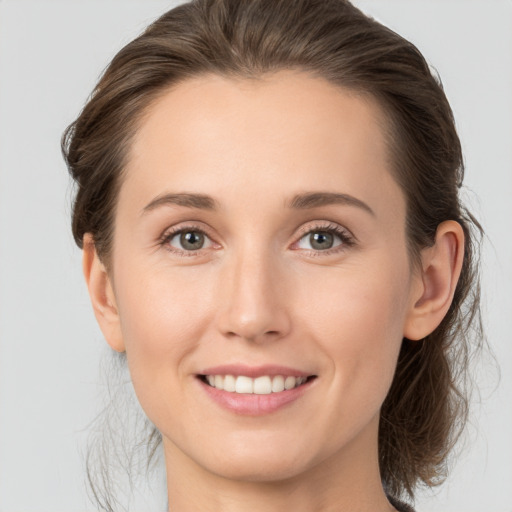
253,304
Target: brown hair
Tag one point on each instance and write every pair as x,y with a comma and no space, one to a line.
426,408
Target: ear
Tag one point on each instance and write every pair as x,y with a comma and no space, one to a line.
101,293
436,281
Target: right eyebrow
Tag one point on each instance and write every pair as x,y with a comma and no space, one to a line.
318,199
200,201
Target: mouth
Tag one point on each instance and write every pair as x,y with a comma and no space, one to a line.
255,390
261,385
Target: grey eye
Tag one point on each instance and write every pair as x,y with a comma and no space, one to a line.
320,240
192,240
189,240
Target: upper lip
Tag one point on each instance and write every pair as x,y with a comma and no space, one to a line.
254,371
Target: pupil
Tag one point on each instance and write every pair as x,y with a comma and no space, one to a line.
192,240
321,240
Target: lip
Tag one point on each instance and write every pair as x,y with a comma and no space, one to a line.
253,404
254,371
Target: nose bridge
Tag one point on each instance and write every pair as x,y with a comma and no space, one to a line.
253,305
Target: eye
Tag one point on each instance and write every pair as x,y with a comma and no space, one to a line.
186,240
324,238
318,240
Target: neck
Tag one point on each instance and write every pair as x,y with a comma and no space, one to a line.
348,481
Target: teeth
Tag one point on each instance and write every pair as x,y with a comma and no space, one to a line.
277,384
259,386
262,386
243,385
229,383
289,383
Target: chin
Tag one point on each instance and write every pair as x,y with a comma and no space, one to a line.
258,470
262,462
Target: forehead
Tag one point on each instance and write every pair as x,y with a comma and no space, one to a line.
288,129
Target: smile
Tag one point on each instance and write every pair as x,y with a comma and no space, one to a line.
255,390
263,385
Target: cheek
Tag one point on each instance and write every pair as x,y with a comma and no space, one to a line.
357,318
163,315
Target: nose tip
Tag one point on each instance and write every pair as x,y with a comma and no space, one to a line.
253,330
254,306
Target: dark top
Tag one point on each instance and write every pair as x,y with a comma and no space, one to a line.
400,505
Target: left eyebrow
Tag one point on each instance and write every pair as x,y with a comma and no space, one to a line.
317,199
200,201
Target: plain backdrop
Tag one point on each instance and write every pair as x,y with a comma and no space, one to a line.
51,54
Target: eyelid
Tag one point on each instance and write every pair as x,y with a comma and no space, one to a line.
171,232
325,225
346,237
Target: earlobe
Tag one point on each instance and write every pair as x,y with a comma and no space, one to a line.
102,295
441,267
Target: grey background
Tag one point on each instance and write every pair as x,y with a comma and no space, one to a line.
51,53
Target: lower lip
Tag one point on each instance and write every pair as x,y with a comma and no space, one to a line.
252,404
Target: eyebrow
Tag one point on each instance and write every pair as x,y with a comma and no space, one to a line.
298,202
317,199
200,201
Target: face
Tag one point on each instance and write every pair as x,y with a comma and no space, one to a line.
260,274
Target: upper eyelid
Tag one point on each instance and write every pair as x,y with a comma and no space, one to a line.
334,227
326,225
187,225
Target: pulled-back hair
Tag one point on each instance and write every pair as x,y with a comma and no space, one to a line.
426,408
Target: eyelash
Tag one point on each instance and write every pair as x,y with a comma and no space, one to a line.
347,240
169,235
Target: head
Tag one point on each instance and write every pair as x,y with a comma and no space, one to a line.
398,152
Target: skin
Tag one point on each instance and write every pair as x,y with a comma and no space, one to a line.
259,293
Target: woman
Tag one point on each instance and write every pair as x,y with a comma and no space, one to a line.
267,202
